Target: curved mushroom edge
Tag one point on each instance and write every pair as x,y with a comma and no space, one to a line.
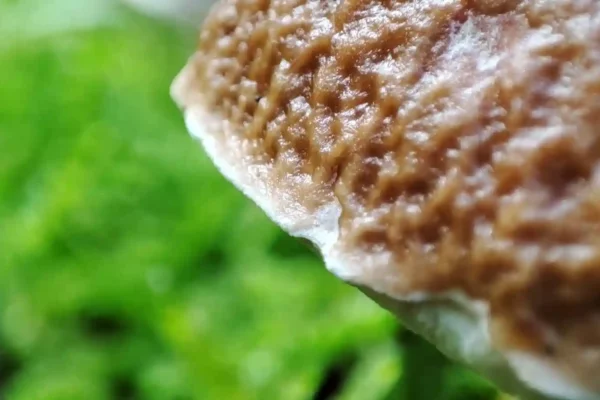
455,323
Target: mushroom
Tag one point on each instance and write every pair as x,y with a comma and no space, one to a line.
443,156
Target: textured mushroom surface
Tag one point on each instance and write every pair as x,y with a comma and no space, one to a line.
427,147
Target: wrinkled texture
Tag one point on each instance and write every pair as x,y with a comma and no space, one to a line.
459,137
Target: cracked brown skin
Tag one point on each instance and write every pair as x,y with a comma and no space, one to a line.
468,132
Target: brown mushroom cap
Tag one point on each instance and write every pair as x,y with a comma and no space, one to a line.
444,155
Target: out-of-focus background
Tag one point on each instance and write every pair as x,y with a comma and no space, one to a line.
129,269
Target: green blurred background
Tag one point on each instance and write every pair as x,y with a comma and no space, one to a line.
129,269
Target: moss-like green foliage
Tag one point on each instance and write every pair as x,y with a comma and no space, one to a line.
129,269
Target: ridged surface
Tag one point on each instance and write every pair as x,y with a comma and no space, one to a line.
462,139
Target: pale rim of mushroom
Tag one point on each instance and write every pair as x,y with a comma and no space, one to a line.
453,322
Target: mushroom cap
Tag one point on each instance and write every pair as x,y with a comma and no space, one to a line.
443,155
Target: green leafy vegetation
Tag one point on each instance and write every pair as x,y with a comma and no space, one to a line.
129,269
